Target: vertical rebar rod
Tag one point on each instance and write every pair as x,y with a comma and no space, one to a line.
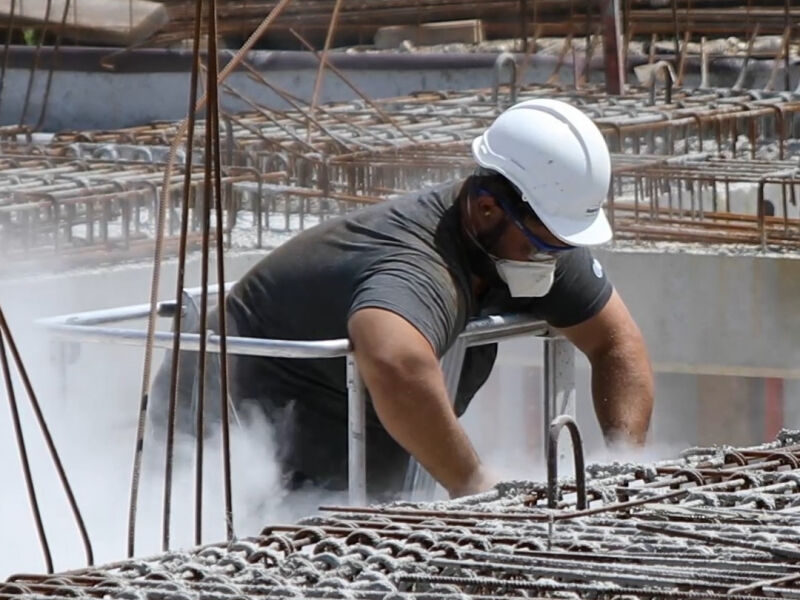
614,63
35,64
321,70
213,102
523,24
676,29
9,33
48,438
201,355
23,456
177,318
54,54
787,73
159,242
587,40
181,273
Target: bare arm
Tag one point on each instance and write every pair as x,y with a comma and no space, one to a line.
622,379
408,392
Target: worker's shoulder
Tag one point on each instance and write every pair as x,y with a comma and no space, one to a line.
441,194
396,217
404,220
423,206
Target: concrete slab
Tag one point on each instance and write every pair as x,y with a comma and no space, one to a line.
707,311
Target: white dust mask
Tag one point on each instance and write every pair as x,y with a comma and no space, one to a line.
527,279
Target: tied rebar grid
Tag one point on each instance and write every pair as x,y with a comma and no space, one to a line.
708,200
630,123
722,121
717,523
89,210
93,195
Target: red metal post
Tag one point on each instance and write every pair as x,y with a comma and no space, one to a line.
773,407
612,47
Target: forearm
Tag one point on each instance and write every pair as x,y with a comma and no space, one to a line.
622,389
414,408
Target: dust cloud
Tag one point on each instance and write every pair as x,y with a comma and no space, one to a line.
90,401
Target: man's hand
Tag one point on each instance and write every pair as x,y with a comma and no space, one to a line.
407,387
622,379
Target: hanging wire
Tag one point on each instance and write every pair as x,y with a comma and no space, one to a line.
5,330
156,276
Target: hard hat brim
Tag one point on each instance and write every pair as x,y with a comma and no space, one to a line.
595,230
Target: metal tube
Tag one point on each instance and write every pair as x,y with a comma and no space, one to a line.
191,341
559,381
356,438
84,327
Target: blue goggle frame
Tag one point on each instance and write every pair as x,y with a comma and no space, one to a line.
537,242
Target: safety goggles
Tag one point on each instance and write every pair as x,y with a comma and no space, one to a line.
541,246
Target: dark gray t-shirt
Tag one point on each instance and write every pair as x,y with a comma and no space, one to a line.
406,255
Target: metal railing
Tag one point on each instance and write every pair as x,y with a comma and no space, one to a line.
559,388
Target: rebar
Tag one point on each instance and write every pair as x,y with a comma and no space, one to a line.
372,159
7,340
716,523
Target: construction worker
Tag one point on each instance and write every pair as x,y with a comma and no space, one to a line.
402,278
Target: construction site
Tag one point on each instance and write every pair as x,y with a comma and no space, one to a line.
152,152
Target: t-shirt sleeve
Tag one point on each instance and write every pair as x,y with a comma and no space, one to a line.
580,290
421,293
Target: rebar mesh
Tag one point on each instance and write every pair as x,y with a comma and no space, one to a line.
716,523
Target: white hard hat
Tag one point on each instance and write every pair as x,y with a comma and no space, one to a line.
557,158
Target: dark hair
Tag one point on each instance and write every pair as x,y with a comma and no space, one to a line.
497,185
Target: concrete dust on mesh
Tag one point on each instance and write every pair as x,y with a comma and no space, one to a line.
712,539
98,460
